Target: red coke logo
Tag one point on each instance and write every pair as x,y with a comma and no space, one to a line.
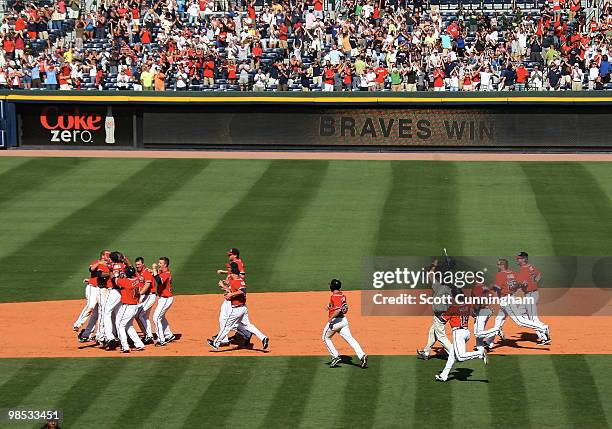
52,119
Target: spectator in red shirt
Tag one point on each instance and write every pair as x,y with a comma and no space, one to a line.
522,74
381,75
438,79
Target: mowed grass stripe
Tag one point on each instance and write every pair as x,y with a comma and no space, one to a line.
25,380
7,164
182,394
543,397
493,198
345,209
361,393
259,223
328,383
508,399
86,229
585,410
575,207
293,392
433,402
220,399
176,225
601,368
26,176
419,215
397,391
149,388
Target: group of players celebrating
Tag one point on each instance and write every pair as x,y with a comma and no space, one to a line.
119,293
507,284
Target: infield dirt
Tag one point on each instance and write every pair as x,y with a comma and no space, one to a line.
294,322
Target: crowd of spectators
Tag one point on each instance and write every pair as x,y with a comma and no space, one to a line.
354,45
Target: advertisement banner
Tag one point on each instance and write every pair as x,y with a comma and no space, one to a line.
287,126
70,125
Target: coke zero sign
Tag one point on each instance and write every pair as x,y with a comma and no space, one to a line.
69,125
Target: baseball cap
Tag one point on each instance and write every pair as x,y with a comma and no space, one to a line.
522,255
130,272
233,251
335,284
234,268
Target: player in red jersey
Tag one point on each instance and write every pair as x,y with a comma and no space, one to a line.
147,298
529,278
242,336
458,315
482,313
117,269
163,282
92,293
130,286
338,323
506,285
236,294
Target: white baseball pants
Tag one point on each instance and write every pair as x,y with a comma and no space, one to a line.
532,309
224,312
144,310
341,327
125,316
460,337
102,298
479,327
92,295
237,316
159,318
112,303
514,313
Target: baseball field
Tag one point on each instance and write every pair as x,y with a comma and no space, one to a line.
298,224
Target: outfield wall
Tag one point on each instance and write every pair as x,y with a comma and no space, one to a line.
325,121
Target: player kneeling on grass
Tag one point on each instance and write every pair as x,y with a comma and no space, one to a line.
130,288
458,315
338,323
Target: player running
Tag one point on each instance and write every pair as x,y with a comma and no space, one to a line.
338,323
506,285
458,316
482,313
529,277
236,294
117,269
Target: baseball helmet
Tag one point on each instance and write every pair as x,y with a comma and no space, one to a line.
335,284
130,272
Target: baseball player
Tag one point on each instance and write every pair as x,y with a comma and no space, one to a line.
147,298
437,331
506,286
236,293
338,323
130,288
458,316
92,293
529,277
103,278
482,313
163,282
242,336
117,269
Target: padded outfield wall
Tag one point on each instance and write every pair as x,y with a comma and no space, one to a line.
324,121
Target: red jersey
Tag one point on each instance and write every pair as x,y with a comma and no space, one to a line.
130,291
241,269
526,276
480,291
146,276
93,278
235,286
506,282
337,301
458,316
117,269
165,288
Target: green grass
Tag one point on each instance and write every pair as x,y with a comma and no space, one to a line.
298,223
282,392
